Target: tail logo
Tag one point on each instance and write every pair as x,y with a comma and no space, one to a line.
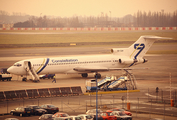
139,47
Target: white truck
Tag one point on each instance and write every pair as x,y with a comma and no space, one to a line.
5,75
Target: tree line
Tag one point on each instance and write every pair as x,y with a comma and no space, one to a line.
156,19
139,19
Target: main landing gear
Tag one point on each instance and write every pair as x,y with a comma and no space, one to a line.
86,75
24,79
98,75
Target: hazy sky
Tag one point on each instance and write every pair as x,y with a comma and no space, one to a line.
68,8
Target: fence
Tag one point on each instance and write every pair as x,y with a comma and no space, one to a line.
81,103
37,93
161,96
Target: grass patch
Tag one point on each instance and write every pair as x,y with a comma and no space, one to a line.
75,37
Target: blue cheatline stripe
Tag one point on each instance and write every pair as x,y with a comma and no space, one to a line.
140,47
43,66
131,64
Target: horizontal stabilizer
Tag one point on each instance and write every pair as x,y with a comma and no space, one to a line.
155,37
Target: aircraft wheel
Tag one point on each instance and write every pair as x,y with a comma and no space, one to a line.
24,79
85,75
98,75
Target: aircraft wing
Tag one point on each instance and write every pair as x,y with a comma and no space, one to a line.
97,68
90,69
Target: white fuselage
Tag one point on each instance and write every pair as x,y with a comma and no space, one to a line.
67,64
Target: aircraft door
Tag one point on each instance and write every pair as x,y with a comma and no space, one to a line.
27,65
30,70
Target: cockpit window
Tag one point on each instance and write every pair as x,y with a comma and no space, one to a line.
17,64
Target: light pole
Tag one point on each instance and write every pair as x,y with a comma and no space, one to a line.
96,98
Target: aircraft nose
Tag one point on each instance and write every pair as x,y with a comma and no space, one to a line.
10,69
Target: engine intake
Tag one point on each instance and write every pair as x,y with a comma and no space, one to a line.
127,61
145,60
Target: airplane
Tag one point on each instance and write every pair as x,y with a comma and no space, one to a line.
119,59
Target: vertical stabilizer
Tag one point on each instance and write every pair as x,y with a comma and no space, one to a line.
142,45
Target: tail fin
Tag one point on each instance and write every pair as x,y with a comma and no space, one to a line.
142,45
139,48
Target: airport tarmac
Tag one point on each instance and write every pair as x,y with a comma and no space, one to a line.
159,66
157,75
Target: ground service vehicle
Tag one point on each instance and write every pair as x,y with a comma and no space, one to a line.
47,76
62,118
120,109
50,108
75,117
36,110
92,112
121,115
21,111
46,117
4,71
5,75
108,116
85,117
58,114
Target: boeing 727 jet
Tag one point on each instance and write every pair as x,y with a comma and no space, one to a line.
119,59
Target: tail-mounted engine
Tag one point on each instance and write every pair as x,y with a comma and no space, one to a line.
130,61
127,61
